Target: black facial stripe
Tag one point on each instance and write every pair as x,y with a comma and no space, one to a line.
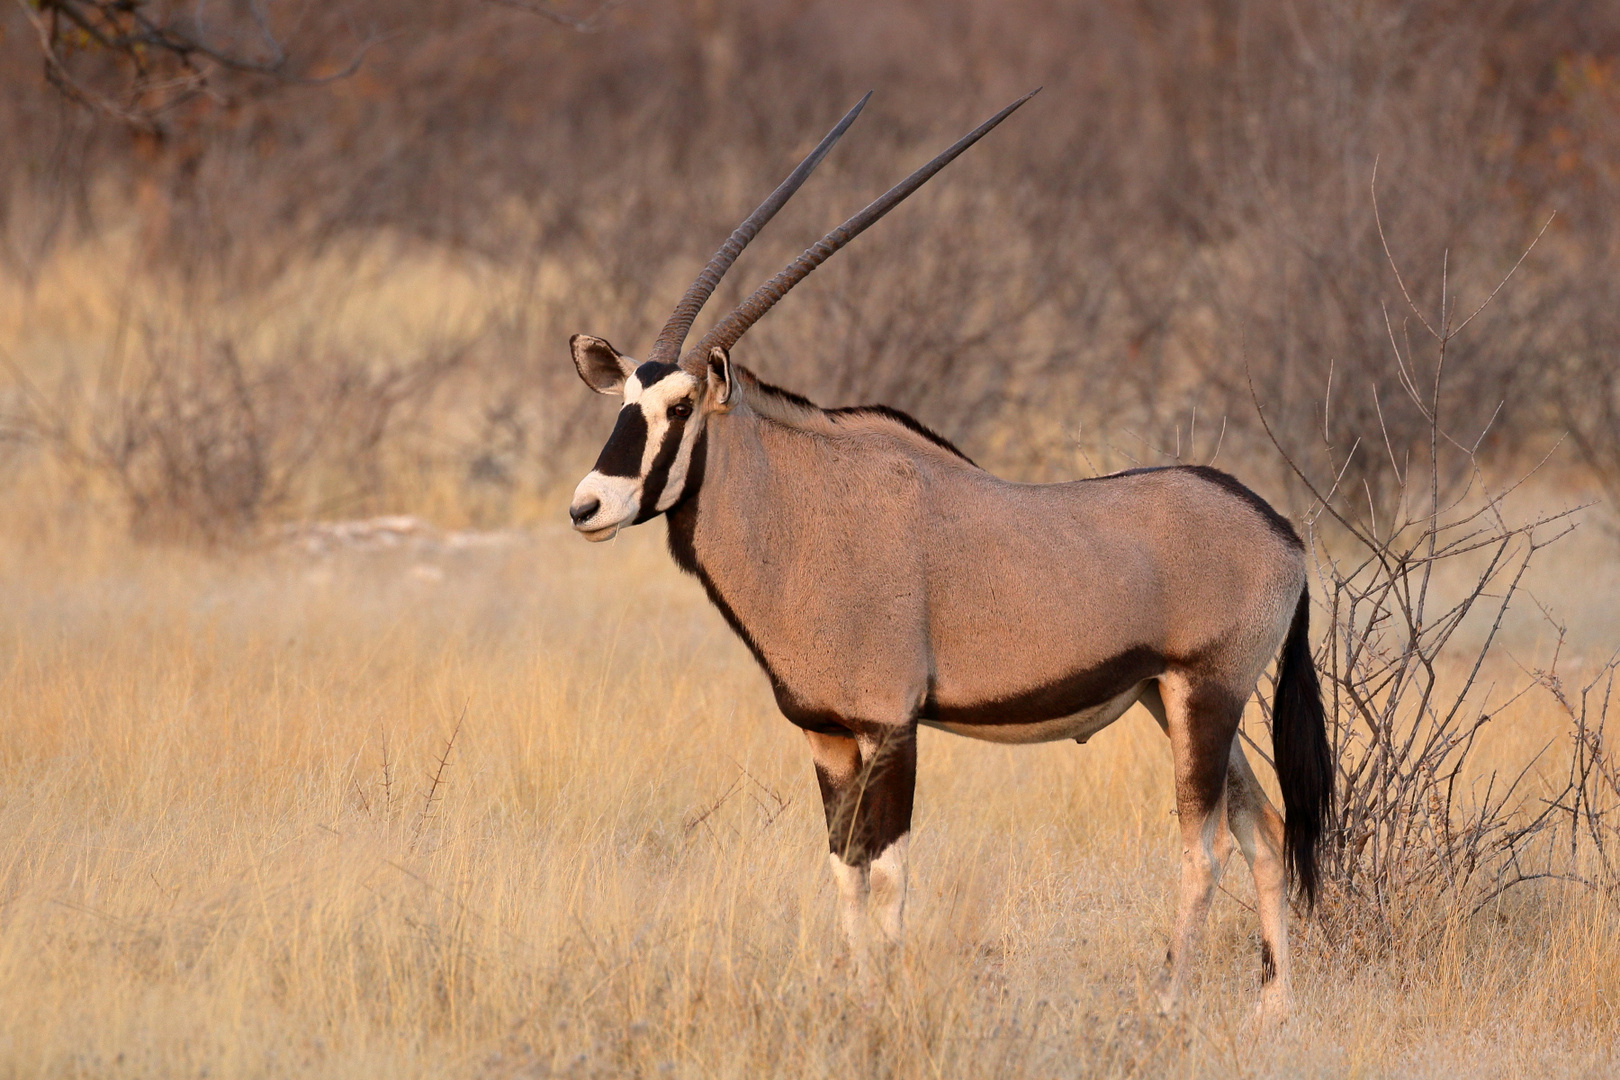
652,371
622,454
652,489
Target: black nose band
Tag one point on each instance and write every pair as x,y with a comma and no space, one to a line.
622,454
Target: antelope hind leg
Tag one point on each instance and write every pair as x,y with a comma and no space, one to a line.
1201,722
1258,829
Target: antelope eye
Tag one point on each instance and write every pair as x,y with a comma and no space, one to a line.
681,409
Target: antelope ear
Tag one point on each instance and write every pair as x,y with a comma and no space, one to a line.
603,367
719,375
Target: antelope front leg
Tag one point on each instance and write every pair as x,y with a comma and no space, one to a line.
867,781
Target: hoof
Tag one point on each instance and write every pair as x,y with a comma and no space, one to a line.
1276,1006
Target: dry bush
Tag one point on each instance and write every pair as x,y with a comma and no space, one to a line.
1417,589
1586,384
204,444
1591,797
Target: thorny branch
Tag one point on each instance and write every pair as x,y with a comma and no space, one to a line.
437,780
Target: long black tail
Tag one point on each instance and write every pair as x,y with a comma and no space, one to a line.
1304,759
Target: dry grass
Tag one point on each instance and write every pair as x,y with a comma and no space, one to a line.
215,858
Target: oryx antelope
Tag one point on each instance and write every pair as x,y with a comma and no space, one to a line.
883,581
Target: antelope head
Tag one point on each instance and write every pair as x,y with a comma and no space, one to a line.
646,465
643,469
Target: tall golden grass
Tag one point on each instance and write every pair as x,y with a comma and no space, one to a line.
223,853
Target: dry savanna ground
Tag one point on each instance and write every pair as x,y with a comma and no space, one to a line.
223,853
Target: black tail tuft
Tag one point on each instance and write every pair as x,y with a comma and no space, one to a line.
1304,759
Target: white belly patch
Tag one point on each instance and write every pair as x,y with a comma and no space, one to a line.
1079,727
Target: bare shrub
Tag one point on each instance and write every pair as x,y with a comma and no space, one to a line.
1416,598
202,444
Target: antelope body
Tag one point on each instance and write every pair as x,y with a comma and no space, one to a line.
884,581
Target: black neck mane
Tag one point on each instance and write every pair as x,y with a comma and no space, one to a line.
886,412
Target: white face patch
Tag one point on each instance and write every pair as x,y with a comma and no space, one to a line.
655,440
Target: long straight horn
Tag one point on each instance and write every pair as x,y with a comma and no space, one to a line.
668,346
726,332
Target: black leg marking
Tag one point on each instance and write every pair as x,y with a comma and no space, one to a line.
1268,963
871,808
1212,723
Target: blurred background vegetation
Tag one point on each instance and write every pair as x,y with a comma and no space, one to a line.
263,261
